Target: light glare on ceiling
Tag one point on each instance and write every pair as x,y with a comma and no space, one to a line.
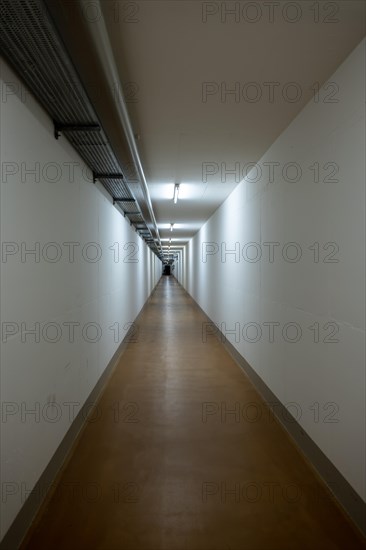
176,193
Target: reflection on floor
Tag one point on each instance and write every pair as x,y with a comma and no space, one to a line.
164,465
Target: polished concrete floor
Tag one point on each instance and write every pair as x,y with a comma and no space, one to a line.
172,469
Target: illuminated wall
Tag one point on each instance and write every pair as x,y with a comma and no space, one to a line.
280,266
66,306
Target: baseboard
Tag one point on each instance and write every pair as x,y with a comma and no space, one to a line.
340,488
42,491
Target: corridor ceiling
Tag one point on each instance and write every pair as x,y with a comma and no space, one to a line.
166,53
208,87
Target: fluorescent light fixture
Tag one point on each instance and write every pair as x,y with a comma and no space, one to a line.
176,193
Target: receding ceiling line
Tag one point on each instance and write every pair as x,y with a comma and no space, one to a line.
102,43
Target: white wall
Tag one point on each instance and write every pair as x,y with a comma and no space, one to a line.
231,289
108,293
179,265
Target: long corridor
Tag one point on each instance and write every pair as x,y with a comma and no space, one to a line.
170,468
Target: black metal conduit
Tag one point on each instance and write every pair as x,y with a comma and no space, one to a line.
31,44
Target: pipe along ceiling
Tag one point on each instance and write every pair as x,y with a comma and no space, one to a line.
83,97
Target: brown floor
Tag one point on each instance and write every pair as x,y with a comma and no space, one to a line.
155,476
